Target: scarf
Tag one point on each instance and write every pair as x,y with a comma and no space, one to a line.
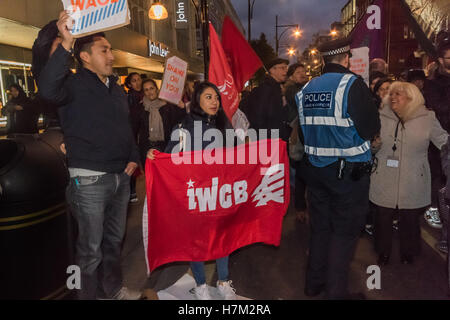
155,122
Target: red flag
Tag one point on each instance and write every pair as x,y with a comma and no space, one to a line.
205,212
220,74
243,60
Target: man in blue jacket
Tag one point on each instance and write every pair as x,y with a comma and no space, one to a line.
338,119
101,156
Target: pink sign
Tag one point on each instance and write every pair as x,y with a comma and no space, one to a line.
173,80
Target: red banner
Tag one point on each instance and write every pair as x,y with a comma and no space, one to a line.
220,74
243,60
201,212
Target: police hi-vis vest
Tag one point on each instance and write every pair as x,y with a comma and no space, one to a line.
328,130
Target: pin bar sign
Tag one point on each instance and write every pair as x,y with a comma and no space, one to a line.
92,16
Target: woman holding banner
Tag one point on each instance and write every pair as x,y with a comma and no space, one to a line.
206,108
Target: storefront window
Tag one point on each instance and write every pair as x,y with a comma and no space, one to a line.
13,73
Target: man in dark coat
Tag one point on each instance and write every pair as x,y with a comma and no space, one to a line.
437,98
266,108
338,118
101,156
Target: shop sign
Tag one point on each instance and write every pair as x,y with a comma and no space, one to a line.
181,14
156,49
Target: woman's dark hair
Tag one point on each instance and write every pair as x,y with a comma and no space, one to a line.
149,80
18,88
41,47
128,79
222,122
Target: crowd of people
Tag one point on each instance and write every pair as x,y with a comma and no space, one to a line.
366,155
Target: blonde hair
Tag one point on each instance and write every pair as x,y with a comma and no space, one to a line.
416,99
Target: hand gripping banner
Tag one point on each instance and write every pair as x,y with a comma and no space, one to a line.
201,212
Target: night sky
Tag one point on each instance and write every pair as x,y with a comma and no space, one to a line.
311,15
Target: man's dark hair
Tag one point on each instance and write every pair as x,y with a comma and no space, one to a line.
336,58
85,44
376,75
443,49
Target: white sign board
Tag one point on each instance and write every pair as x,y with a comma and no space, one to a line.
173,80
92,16
359,63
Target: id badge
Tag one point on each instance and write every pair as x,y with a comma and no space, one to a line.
393,162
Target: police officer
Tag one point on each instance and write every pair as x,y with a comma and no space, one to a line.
338,119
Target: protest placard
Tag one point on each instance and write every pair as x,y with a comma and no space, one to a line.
173,81
359,62
92,16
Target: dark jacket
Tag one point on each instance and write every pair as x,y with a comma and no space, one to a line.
190,121
292,88
94,118
264,109
170,114
437,98
136,110
361,107
22,121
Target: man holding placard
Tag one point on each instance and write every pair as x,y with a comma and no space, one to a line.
101,156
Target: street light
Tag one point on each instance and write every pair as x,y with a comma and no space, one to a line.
291,52
333,33
157,12
297,32
313,51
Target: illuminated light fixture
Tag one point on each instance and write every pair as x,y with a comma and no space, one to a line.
291,52
333,33
298,33
313,51
157,12
316,61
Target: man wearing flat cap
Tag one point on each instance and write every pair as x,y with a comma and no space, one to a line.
338,119
265,108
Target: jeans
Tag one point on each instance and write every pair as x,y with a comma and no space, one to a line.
198,269
99,205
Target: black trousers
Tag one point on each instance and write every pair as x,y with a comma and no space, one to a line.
300,188
408,229
338,210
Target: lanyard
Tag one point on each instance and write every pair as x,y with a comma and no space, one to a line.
394,147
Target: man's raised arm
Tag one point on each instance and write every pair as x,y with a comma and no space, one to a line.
54,74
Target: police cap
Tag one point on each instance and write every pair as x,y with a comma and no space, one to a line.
276,61
335,47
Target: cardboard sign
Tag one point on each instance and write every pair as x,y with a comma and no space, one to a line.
359,63
92,16
173,80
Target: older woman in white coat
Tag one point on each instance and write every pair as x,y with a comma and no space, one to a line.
402,180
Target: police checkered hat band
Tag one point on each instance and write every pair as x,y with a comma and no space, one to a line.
336,51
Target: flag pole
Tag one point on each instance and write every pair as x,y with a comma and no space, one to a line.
205,35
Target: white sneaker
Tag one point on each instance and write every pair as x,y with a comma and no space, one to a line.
127,294
202,292
432,218
226,290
